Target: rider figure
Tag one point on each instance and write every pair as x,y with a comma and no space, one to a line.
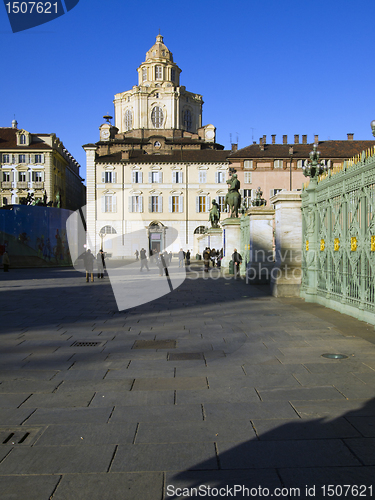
233,184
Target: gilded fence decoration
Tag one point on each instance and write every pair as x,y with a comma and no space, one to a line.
338,222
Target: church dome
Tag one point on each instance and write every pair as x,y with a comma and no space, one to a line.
159,51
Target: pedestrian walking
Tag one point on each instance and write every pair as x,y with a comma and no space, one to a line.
187,259
237,261
88,260
100,263
181,257
219,258
206,259
136,253
6,262
143,256
213,256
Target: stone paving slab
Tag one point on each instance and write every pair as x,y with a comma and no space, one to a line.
165,384
164,457
103,399
195,432
88,434
153,414
335,408
15,416
69,415
281,429
300,393
365,425
219,395
363,449
20,374
76,375
112,486
37,487
274,454
60,400
13,400
58,460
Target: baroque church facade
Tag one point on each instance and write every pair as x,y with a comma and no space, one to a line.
157,168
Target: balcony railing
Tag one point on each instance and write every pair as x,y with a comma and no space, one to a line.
6,185
38,185
22,185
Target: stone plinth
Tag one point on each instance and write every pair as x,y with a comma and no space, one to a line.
261,243
231,239
215,238
286,273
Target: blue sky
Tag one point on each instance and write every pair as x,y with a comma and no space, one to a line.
263,67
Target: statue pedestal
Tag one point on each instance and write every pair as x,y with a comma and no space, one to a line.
231,239
215,238
261,252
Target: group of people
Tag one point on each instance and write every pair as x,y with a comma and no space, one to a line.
210,255
88,261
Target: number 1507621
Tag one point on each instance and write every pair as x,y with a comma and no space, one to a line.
31,7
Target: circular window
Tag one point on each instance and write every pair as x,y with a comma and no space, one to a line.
157,144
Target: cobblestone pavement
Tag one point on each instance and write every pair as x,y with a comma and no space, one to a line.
215,384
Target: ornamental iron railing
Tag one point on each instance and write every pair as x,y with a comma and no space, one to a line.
338,226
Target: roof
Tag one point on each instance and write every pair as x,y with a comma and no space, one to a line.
8,140
327,149
191,156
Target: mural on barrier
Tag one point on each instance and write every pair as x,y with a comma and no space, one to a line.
34,236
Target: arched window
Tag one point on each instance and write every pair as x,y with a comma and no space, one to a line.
128,120
108,230
23,139
186,120
157,117
144,74
200,230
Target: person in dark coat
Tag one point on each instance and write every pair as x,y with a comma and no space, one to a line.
237,260
206,259
6,261
187,258
88,260
143,256
101,263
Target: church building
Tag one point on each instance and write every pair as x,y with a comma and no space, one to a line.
157,167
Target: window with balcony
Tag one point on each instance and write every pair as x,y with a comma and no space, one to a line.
37,176
6,176
21,176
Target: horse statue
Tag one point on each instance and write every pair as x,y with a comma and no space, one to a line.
214,214
233,197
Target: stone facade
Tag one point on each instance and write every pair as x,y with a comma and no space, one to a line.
38,164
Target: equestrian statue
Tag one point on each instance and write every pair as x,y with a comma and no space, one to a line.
233,197
214,214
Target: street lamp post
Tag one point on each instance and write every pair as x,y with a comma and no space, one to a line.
312,168
290,167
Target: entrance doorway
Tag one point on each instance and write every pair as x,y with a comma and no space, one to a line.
156,237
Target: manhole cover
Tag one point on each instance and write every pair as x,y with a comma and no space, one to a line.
86,344
154,344
334,356
184,356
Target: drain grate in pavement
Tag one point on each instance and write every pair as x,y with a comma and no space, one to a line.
184,356
12,437
86,344
154,344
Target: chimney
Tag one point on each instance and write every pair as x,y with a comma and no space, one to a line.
296,139
304,139
273,138
316,139
285,139
261,145
264,140
350,137
234,148
125,155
